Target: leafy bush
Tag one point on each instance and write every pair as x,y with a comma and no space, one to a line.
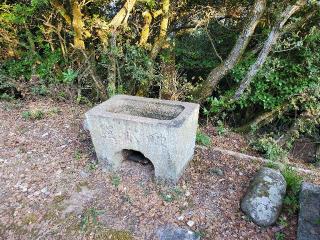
269,147
286,73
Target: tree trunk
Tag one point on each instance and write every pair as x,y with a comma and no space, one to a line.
122,15
99,86
60,8
112,69
158,44
263,119
145,32
236,53
77,24
270,42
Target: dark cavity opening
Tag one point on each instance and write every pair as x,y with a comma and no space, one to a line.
135,156
161,111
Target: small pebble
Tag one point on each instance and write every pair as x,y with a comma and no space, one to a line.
216,171
45,191
190,223
44,135
36,193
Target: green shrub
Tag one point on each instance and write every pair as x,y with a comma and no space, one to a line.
269,147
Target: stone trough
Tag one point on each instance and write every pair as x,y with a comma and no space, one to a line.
161,131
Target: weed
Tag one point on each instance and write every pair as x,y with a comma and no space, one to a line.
55,110
283,221
271,164
6,97
115,180
92,166
171,195
221,129
203,139
40,90
89,217
270,149
291,200
33,115
200,233
280,236
77,155
38,114
26,115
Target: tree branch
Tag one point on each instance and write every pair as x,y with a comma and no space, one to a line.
270,42
205,90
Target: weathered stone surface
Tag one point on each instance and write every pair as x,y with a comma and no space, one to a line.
309,215
263,200
175,233
163,131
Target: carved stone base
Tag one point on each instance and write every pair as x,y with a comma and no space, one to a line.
163,131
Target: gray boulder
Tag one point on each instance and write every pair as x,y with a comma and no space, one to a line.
175,233
264,197
309,215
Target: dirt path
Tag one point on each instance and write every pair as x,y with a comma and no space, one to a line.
51,187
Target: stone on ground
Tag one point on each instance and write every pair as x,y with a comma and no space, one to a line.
264,197
175,233
309,215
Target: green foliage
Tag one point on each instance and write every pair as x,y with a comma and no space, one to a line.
89,218
294,181
6,97
283,221
33,115
269,147
33,64
293,68
195,53
203,139
92,166
171,194
40,90
69,76
221,129
280,236
216,105
115,180
137,66
272,164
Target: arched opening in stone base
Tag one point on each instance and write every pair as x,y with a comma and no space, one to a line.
135,163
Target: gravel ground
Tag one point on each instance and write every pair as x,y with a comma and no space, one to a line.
51,187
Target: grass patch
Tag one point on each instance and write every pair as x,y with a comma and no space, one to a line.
171,194
203,139
33,115
115,180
